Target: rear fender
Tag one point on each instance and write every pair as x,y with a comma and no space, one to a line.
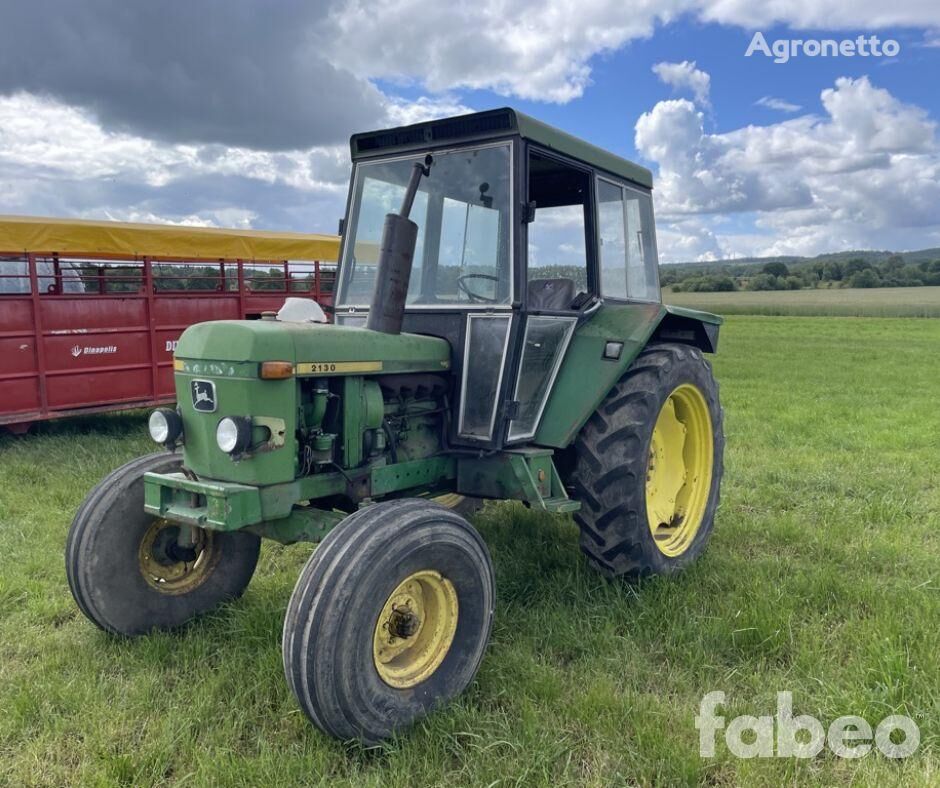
587,372
689,327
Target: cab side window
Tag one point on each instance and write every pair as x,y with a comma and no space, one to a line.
557,248
628,262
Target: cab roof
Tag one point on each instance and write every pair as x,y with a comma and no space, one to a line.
497,123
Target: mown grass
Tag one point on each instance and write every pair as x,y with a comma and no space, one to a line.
821,579
848,302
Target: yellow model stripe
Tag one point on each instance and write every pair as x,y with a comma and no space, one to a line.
178,364
334,367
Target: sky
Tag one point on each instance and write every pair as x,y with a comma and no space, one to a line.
237,113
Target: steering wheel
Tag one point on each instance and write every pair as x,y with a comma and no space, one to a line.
476,297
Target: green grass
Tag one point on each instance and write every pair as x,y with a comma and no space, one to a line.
849,302
821,579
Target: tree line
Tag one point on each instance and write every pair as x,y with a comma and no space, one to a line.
893,271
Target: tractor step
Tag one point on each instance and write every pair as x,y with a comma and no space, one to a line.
560,504
526,474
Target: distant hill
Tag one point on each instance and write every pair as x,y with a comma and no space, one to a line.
868,255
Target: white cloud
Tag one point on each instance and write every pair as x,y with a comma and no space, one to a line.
822,14
404,113
864,175
544,51
778,104
535,52
305,75
59,160
52,140
685,76
224,217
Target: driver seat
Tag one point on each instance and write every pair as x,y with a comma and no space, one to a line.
551,294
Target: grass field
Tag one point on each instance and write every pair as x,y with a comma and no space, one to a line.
850,302
821,579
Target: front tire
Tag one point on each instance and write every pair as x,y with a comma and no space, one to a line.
649,464
125,569
389,618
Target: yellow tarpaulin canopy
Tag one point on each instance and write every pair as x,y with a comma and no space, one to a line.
367,252
37,234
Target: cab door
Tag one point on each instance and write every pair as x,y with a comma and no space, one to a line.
560,281
627,310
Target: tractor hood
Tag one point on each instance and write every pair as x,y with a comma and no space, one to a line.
218,374
313,348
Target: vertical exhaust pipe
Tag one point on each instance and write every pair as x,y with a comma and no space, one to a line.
396,258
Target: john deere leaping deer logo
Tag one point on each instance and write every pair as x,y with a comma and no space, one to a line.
203,392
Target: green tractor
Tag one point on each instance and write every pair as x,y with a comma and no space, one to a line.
498,334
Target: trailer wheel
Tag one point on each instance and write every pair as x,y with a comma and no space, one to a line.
126,569
389,618
649,464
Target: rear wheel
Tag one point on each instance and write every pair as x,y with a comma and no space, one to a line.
649,464
129,573
390,617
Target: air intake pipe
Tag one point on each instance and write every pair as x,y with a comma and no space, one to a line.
396,257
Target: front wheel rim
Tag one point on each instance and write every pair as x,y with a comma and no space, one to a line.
415,630
450,500
679,470
170,573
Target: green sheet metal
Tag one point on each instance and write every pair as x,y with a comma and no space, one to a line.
315,347
694,314
586,376
565,143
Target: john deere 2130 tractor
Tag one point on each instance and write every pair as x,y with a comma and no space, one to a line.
498,334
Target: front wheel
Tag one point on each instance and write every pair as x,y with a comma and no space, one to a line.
649,464
131,573
389,618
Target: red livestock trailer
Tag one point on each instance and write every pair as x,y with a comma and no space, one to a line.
90,312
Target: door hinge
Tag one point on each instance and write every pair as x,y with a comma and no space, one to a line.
528,212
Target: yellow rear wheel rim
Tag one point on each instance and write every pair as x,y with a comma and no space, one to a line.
415,629
679,472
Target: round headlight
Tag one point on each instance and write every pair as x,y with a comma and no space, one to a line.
165,426
233,435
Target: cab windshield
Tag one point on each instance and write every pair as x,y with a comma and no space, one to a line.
462,257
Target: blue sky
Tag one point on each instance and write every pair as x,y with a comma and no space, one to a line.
625,79
623,84
198,123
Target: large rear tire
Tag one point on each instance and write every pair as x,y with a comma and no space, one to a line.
126,570
649,464
389,618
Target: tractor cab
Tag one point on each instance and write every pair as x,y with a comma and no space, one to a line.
523,233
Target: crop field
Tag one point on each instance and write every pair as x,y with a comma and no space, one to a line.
822,579
848,302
